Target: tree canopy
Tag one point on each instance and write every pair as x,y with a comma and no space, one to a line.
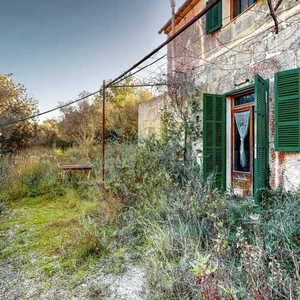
83,121
122,108
15,105
79,123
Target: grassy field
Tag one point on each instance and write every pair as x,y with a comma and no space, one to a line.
49,228
191,240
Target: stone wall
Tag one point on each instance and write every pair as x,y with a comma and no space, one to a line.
149,117
245,46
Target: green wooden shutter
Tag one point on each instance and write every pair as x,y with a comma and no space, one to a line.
214,17
287,110
214,138
261,133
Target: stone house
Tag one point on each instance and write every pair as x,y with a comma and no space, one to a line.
246,54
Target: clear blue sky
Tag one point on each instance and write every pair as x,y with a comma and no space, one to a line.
59,48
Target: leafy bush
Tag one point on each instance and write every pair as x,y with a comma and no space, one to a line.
133,172
30,176
251,251
193,241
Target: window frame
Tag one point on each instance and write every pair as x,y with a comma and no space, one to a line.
247,4
240,108
213,20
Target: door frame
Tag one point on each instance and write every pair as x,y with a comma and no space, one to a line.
217,134
243,189
229,104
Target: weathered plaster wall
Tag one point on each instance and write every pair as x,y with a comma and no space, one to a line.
243,47
149,117
291,171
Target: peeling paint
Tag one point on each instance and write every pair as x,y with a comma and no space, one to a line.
241,48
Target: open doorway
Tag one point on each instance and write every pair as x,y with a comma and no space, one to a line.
242,144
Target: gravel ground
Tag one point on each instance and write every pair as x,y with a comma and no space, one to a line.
21,278
15,284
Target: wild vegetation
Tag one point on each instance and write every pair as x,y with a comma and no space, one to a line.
15,104
154,210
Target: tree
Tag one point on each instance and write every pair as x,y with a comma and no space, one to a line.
46,134
181,124
80,124
122,108
15,105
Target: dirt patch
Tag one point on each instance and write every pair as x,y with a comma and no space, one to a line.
17,284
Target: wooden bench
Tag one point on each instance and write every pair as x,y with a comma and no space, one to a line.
67,167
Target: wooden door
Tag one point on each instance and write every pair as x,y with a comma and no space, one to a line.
242,144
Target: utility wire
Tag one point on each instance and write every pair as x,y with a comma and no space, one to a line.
221,44
228,49
202,13
155,51
72,102
48,111
140,69
173,37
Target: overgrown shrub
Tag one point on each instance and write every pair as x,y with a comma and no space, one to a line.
241,250
133,172
194,242
30,176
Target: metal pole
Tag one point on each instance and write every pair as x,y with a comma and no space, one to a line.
173,32
103,131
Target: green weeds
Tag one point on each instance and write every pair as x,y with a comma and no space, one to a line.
193,242
238,250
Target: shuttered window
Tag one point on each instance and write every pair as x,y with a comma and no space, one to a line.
214,138
287,110
214,17
261,133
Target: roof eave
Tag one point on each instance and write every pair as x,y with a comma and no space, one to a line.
179,15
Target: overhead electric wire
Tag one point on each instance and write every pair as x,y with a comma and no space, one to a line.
72,102
151,72
222,44
199,15
140,69
157,50
48,111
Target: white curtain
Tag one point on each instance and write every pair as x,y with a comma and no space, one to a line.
242,121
